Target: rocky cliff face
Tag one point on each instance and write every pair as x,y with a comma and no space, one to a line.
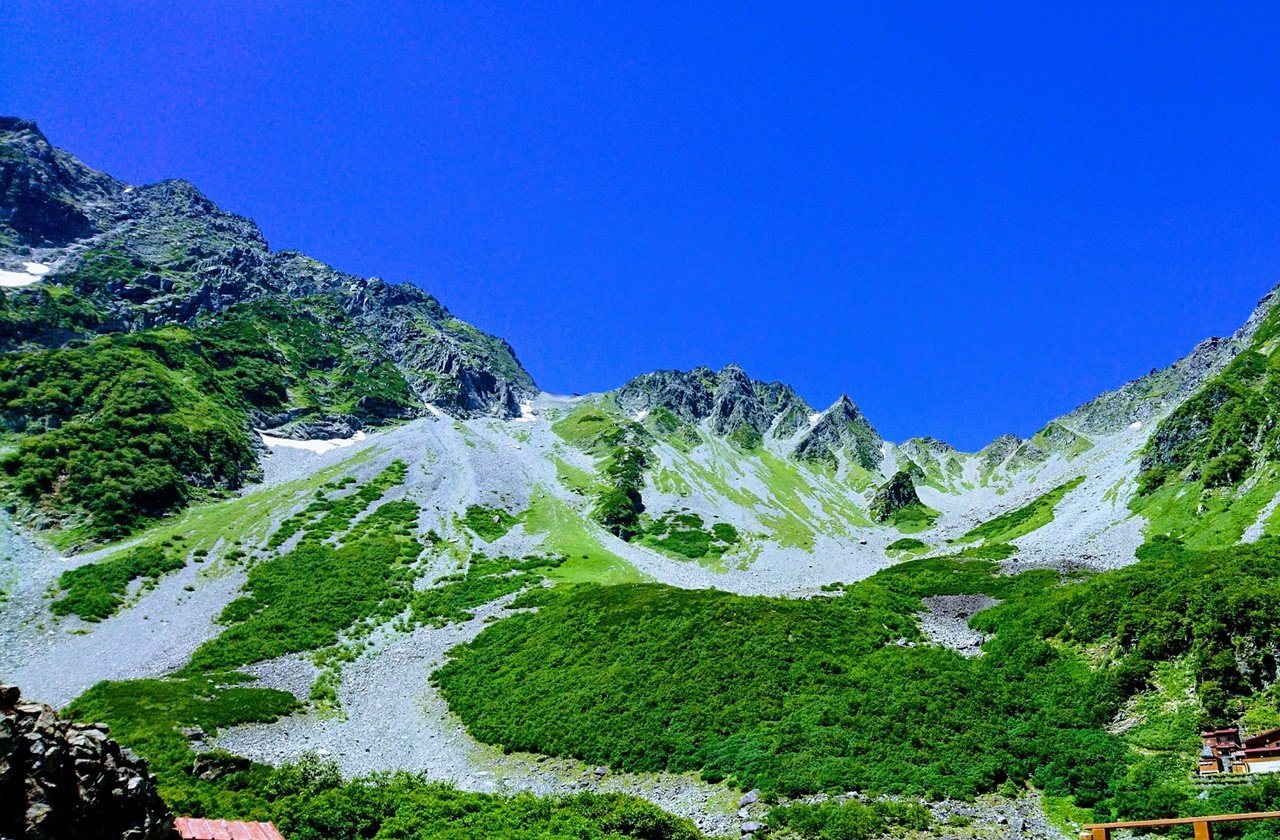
898,494
731,402
1161,390
842,429
69,781
139,257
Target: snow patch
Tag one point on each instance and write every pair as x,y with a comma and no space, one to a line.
15,279
319,447
814,418
1136,424
526,413
640,415
32,271
434,411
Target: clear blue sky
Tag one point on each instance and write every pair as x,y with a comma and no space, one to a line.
970,217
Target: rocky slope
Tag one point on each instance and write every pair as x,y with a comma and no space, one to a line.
146,334
138,257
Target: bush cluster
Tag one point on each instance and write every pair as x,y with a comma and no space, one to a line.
96,590
802,696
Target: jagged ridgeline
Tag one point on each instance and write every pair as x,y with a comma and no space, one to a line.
146,333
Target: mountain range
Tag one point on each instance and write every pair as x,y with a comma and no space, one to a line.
224,464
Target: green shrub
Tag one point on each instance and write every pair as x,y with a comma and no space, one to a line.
96,590
850,820
686,534
907,544
486,580
489,523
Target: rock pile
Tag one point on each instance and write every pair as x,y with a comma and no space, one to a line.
69,781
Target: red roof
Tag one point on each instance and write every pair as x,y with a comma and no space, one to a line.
193,828
1261,752
1263,738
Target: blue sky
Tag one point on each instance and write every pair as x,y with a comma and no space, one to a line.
970,217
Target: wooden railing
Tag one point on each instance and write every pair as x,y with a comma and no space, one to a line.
1203,826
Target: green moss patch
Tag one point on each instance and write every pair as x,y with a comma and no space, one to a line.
96,590
1017,523
489,523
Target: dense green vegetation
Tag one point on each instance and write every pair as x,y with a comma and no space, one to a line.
1017,523
619,505
489,523
1217,434
452,598
622,448
96,590
686,535
913,518
303,599
345,571
308,800
802,696
122,429
849,820
125,428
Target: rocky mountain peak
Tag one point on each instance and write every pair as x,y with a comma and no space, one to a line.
841,430
47,197
141,257
730,401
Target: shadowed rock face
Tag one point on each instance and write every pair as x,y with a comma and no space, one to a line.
69,781
47,197
187,259
730,401
898,494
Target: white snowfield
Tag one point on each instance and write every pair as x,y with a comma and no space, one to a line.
317,446
31,272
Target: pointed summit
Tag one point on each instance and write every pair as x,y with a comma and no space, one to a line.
841,430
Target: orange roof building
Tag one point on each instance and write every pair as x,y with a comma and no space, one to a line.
193,828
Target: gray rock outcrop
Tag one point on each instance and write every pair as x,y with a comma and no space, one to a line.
730,401
898,494
842,430
174,257
69,781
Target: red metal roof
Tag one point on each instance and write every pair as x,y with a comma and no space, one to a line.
1261,752
1268,737
194,828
